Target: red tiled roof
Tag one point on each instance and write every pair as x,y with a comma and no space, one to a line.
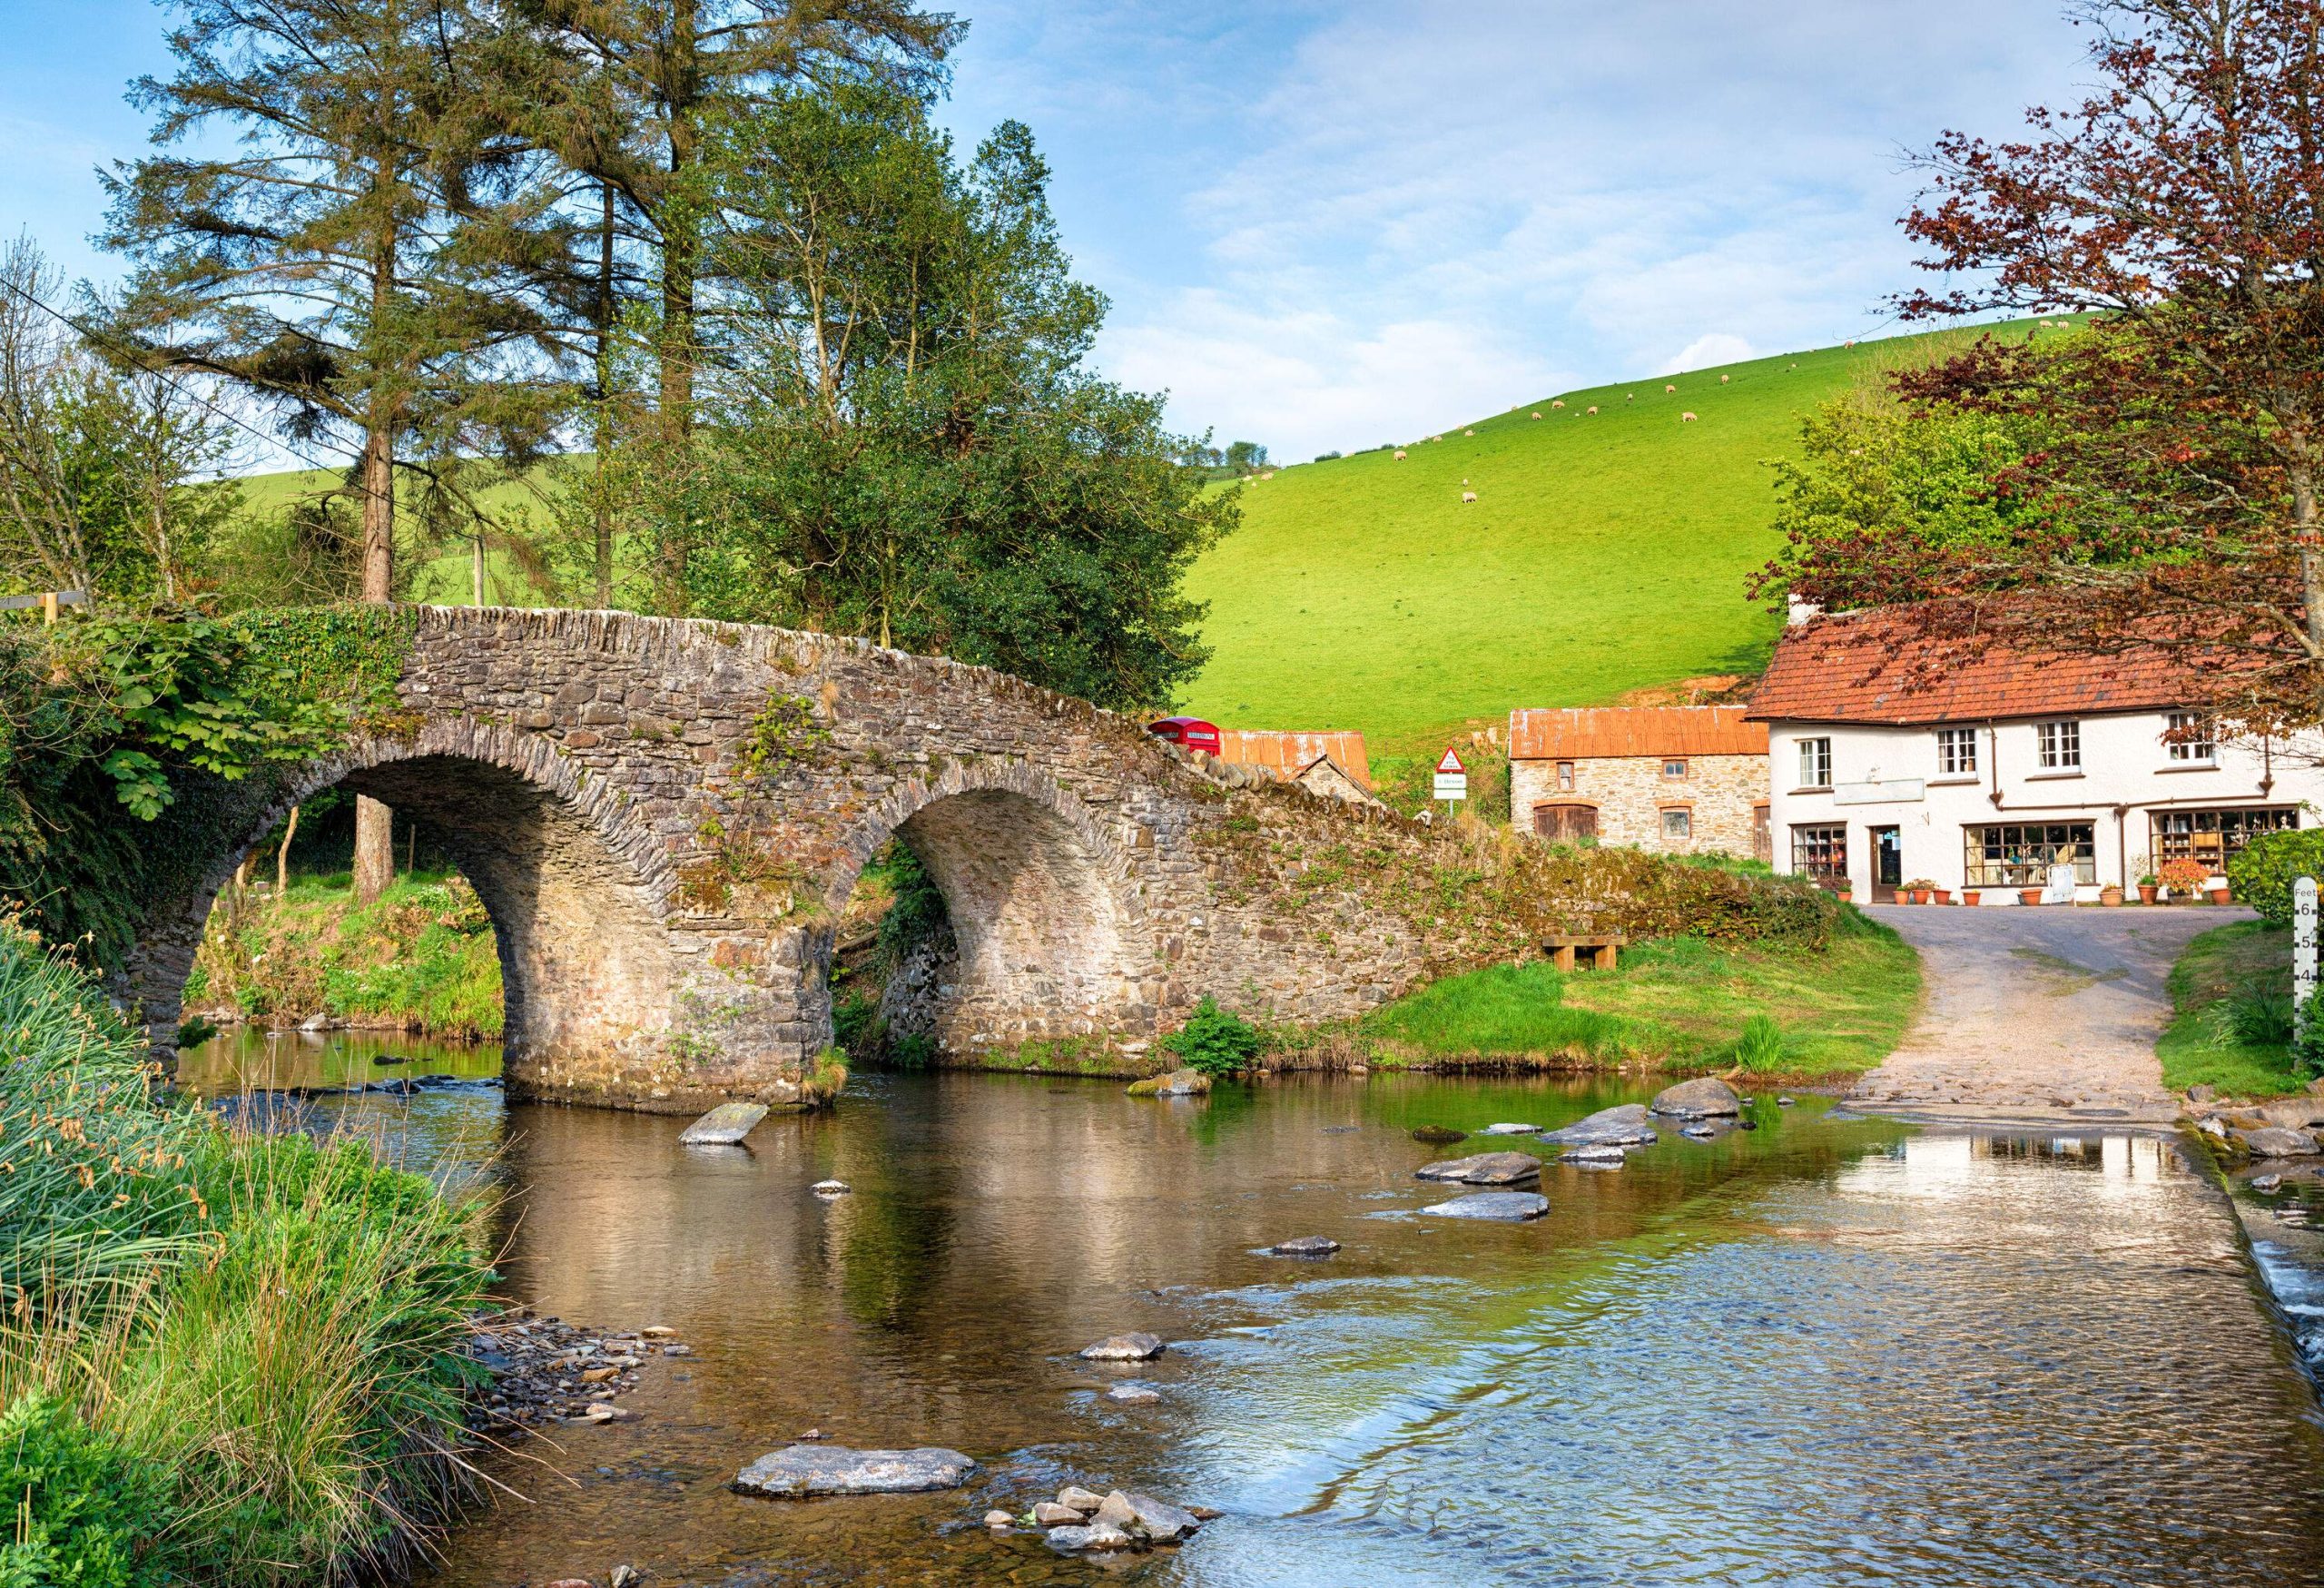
1877,667
1289,753
1590,732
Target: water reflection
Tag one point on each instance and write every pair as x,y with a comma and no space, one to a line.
1826,1350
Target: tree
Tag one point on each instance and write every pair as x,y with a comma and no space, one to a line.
644,79
346,264
102,464
2175,504
903,440
1245,457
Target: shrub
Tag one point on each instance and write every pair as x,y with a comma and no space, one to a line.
2307,1046
2262,875
2185,876
1214,1040
80,1504
1759,1048
2261,1017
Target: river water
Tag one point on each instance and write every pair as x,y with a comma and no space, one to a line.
1830,1350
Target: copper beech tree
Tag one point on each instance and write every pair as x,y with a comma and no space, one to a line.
2172,498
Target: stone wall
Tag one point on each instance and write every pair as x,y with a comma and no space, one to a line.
1630,794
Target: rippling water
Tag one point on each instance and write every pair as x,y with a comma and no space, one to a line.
1827,1351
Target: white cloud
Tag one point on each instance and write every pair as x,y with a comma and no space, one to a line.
1718,348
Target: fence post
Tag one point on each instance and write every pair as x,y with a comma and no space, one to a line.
2303,950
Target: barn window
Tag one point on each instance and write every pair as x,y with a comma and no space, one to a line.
1677,823
1565,777
1674,770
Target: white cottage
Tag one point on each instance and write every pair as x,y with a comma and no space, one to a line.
2006,768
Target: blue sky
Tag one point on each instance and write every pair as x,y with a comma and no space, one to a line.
1329,225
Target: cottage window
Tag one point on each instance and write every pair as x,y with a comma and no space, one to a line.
2061,745
2214,837
1674,770
1815,762
1820,850
1565,777
1957,752
2019,854
2190,738
1677,823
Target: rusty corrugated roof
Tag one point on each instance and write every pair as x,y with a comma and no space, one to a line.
1290,753
1879,666
1591,733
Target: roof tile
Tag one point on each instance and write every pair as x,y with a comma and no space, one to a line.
1589,732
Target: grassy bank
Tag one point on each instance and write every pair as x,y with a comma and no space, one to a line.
2231,997
422,958
1677,1003
227,1359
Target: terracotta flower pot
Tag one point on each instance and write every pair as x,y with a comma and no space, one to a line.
1940,895
1970,895
2221,895
2147,891
2109,897
2028,895
1920,895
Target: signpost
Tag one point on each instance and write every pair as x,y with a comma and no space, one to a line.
2303,950
1451,778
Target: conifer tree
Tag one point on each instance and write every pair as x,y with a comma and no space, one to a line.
348,264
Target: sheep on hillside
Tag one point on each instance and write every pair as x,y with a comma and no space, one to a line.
1559,402
1537,415
1468,432
1468,496
1593,408
1400,454
1686,418
1722,380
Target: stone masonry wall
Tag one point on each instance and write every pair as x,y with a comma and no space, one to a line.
1630,794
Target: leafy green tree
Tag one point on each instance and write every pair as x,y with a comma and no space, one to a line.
903,438
1246,457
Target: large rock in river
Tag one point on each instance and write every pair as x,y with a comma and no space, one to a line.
1624,1125
2276,1141
1499,1206
1704,1098
1137,1347
1178,1083
1486,1168
724,1125
802,1470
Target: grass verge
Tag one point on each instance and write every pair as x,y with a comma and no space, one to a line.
422,958
2200,1046
226,1358
1677,1003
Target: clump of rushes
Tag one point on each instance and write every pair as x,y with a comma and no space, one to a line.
244,1353
1759,1049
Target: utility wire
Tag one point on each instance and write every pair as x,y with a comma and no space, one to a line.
137,358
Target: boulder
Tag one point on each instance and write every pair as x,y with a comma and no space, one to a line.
1049,1513
1305,1246
1178,1083
1159,1520
1501,1206
1001,1518
1624,1125
1594,1156
1509,1130
2294,1113
2265,1183
1132,1348
1115,1512
1074,1537
1486,1168
1085,1501
1438,1134
1133,1395
724,1125
1698,1132
2276,1141
1704,1098
799,1471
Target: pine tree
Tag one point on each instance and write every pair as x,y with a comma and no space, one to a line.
348,264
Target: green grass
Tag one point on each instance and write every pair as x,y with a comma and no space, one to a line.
1677,1003
1604,554
2200,1046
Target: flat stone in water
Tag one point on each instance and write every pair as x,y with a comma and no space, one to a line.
801,1470
1509,1130
1132,1348
724,1125
1703,1098
2276,1141
1699,1132
1133,1395
1486,1168
1594,1156
1624,1125
1438,1134
831,1189
1305,1246
1501,1206
1158,1520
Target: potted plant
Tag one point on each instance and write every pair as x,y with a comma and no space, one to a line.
2028,895
1842,888
2220,893
2183,876
1971,895
2149,886
1940,895
1918,888
2110,894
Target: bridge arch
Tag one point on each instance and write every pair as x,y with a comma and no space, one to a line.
1049,938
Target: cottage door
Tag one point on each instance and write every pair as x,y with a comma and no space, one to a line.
1887,864
1566,824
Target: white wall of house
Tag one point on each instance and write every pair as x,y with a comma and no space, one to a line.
1883,777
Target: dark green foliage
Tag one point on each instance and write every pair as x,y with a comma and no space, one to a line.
1759,1049
2263,875
1214,1040
917,912
2308,1047
2260,1016
83,1511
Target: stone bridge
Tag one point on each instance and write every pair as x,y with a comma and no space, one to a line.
663,818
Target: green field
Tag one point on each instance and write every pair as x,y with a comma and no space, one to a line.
1604,553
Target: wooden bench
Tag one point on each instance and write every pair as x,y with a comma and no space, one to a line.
1564,947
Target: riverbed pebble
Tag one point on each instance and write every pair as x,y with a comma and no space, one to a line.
1438,1134
1080,1522
1084,1502
1130,1347
1001,1519
544,1370
1049,1513
1133,1395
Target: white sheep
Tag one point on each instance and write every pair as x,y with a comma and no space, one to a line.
1593,408
1722,380
1558,403
1537,415
1468,432
1686,418
1400,454
1468,496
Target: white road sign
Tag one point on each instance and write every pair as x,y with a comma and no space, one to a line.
1452,778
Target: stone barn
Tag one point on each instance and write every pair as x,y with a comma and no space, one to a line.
1675,779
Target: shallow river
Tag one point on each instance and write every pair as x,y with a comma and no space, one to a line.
1829,1350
